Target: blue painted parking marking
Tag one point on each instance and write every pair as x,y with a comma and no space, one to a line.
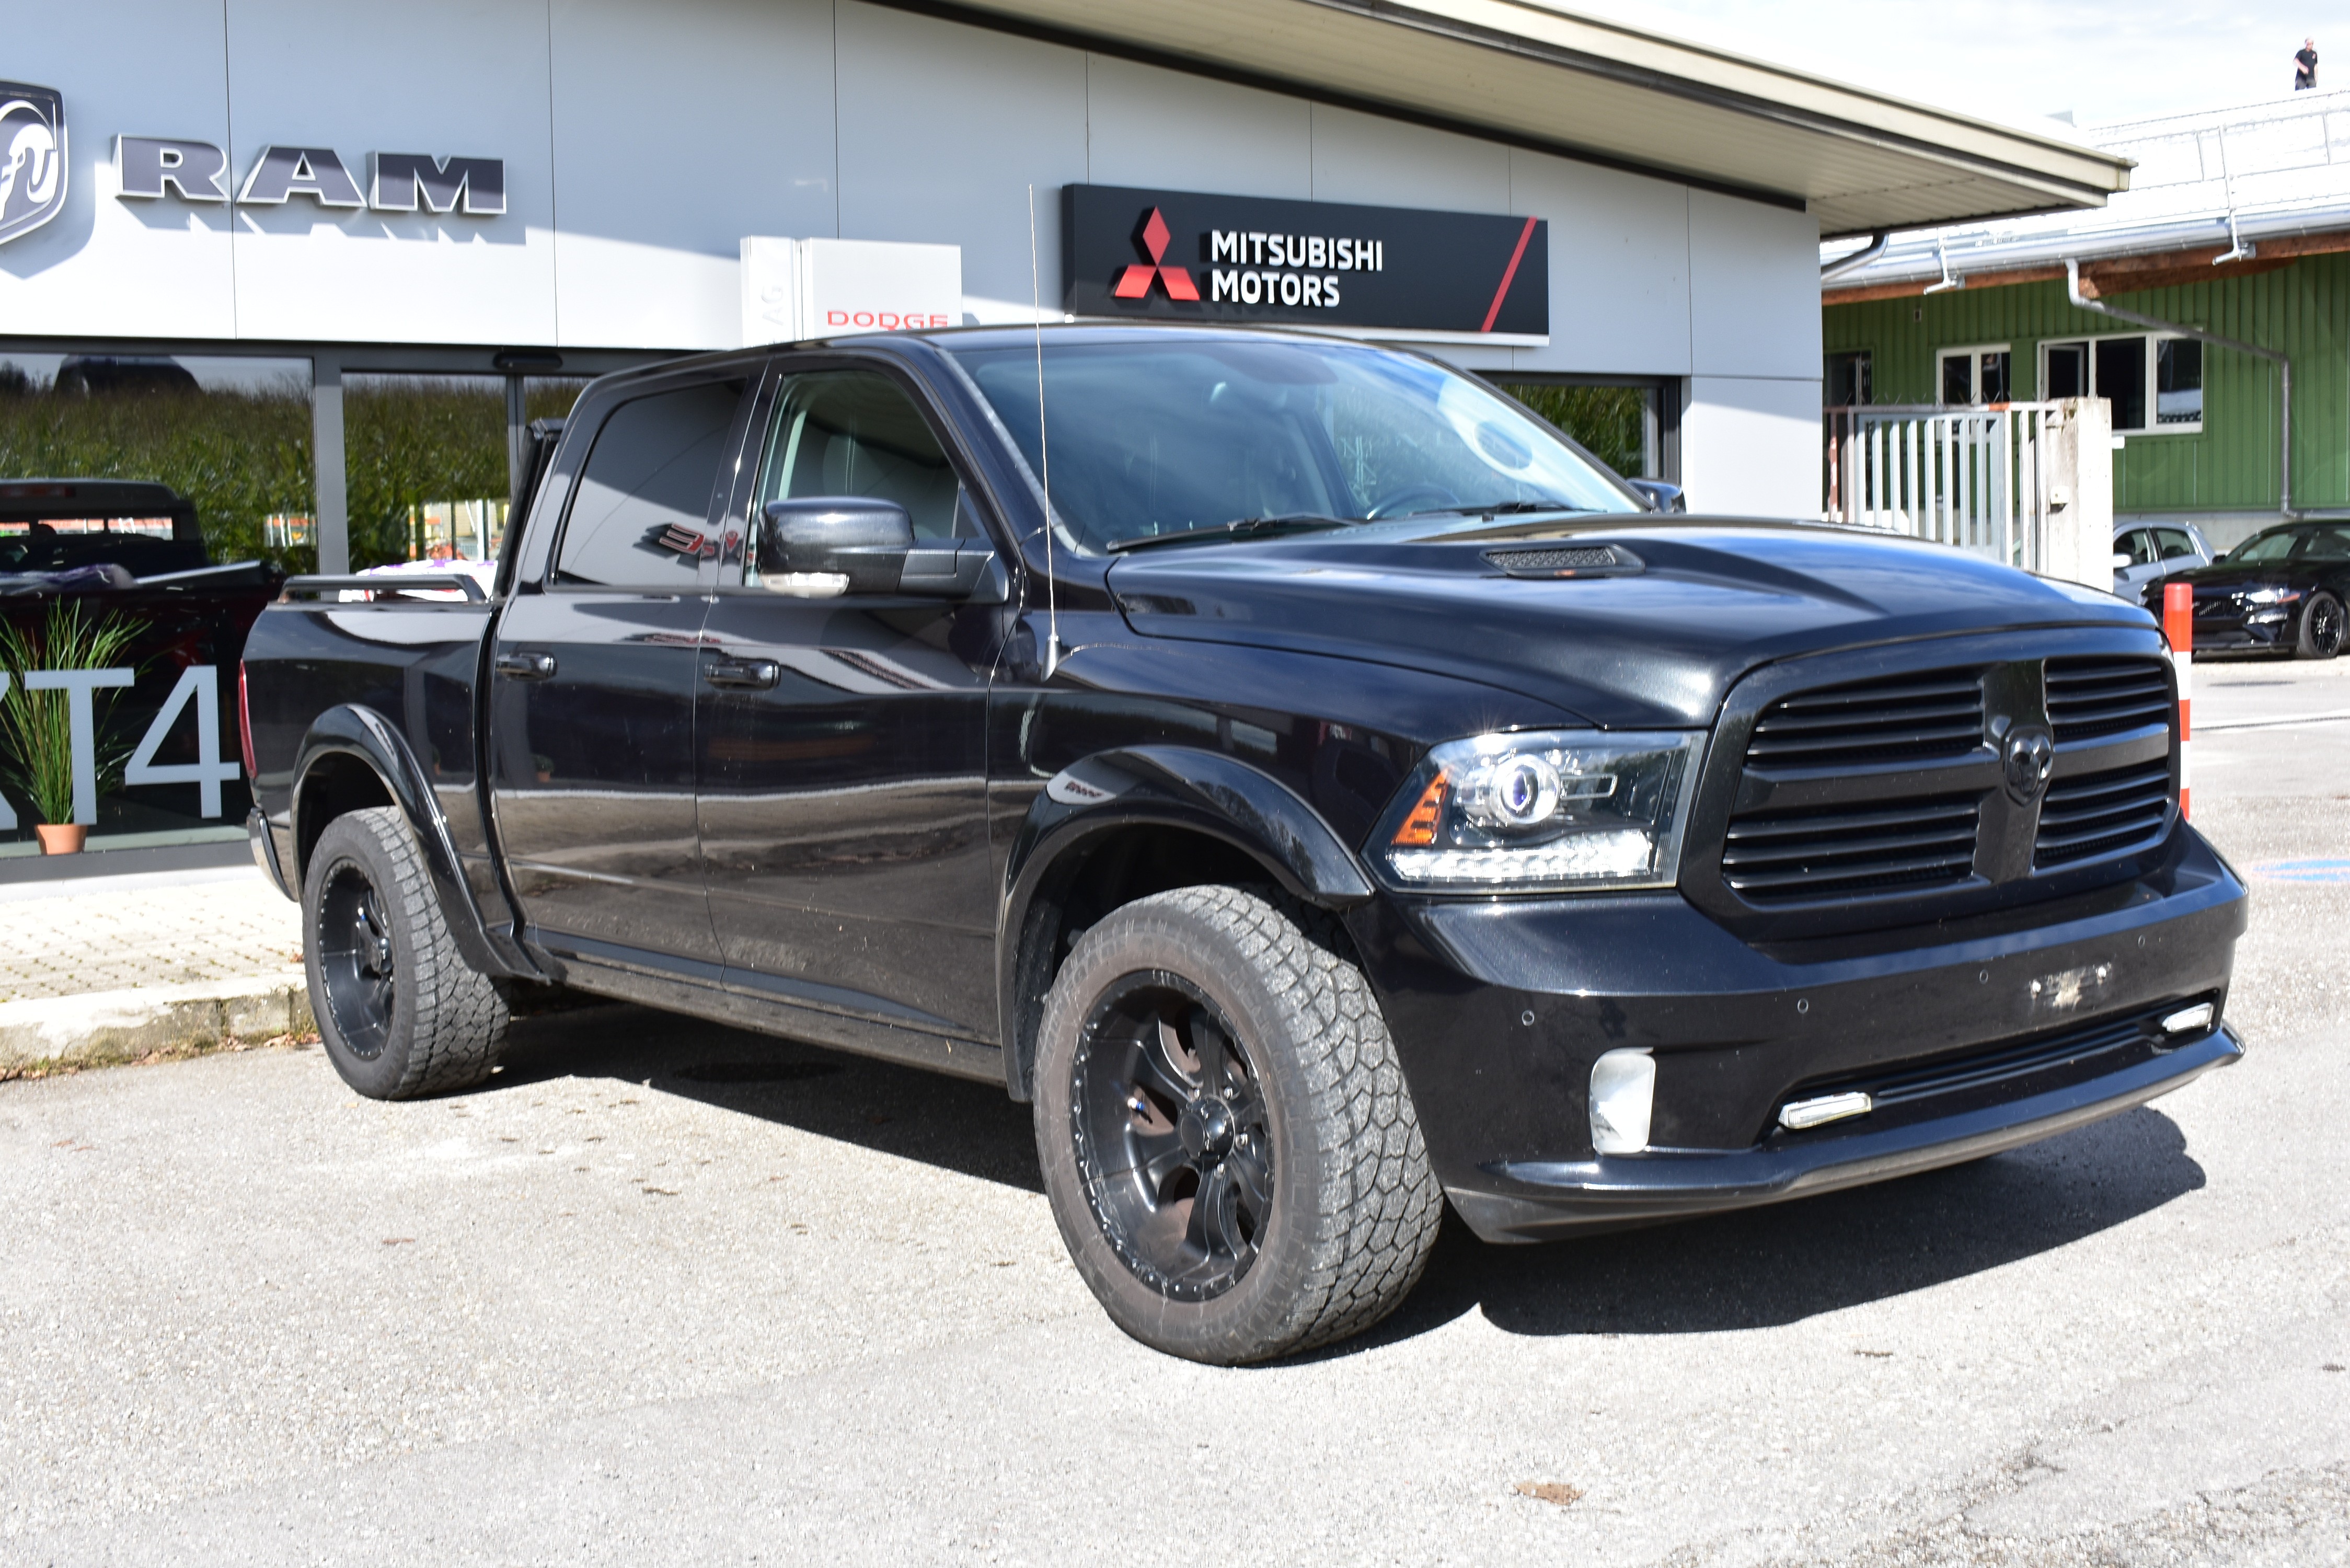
2304,870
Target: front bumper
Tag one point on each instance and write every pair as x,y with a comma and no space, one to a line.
1529,1201
1499,1008
2241,631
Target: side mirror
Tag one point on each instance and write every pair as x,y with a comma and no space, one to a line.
2121,561
1660,495
821,546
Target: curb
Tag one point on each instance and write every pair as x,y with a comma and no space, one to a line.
98,1028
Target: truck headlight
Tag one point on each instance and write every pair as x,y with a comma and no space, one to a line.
1547,811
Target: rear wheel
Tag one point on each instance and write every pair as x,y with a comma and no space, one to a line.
2322,626
1230,1149
400,1011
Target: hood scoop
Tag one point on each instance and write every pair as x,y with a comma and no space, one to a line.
1564,561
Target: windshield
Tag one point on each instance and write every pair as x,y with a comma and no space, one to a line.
2273,546
1156,439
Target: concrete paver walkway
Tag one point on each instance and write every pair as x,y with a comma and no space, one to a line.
124,933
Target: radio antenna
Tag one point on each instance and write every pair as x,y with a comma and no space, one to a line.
1044,446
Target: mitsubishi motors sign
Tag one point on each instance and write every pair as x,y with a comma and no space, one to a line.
1183,256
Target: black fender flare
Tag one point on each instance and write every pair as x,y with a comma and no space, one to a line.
363,734
1170,787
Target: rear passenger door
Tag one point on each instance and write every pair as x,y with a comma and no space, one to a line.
843,772
2178,551
593,681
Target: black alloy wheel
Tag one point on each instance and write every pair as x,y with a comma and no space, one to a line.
1171,1136
2322,623
1223,1127
356,962
400,1011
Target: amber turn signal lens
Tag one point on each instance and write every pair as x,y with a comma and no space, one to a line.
1419,829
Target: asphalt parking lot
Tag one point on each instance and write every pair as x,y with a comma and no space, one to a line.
668,1293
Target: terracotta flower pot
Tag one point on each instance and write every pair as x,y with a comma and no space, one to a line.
62,837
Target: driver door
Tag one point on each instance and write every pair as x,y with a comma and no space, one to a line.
842,778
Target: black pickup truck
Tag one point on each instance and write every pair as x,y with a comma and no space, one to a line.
1345,796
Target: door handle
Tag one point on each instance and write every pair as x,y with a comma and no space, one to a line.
745,674
524,666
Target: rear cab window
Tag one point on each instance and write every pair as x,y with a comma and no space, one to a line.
640,514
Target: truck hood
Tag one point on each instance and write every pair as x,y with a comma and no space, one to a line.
1712,599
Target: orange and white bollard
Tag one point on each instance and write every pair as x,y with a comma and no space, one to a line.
2178,630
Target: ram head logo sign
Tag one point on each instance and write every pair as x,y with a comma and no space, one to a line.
32,158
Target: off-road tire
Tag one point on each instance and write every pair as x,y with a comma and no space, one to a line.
1354,1207
446,1021
2321,627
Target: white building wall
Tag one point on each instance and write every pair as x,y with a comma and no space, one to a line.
641,147
674,142
104,266
302,272
1751,432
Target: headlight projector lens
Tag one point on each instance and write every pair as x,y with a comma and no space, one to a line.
1518,792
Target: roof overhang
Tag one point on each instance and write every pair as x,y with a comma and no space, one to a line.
1542,74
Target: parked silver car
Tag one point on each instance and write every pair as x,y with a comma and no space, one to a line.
2145,551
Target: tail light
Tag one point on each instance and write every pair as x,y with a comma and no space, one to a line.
244,721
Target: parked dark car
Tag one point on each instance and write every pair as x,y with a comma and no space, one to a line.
2283,588
1344,797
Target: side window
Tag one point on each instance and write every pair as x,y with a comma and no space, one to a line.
2327,544
2138,545
855,432
639,509
2173,542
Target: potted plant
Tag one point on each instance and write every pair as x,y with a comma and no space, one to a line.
37,727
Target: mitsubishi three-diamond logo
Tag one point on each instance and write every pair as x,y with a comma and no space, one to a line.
32,158
1135,282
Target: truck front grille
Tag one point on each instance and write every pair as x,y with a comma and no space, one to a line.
1801,855
1909,718
2102,813
2092,697
1856,795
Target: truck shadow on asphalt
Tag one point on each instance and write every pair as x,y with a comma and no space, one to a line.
971,1128
1757,1268
1784,1262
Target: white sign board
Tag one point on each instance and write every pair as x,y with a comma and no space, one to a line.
797,289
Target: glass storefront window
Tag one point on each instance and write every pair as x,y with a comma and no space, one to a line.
551,397
231,434
1612,423
425,461
424,466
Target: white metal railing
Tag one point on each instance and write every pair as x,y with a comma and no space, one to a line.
1975,478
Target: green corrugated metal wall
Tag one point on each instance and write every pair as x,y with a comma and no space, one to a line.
2231,465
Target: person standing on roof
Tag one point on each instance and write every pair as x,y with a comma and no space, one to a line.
2304,66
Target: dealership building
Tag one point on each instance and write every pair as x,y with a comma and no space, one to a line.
338,204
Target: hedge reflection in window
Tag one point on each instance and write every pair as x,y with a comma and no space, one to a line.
231,434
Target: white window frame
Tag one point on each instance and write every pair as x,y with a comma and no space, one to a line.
1974,353
2153,409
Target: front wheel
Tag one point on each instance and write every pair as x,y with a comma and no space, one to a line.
401,1013
2322,625
1228,1143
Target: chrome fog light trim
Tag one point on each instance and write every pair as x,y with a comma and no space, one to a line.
1801,1114
2188,1019
1622,1094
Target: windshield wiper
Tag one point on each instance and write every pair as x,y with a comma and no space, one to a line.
1240,528
1498,508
